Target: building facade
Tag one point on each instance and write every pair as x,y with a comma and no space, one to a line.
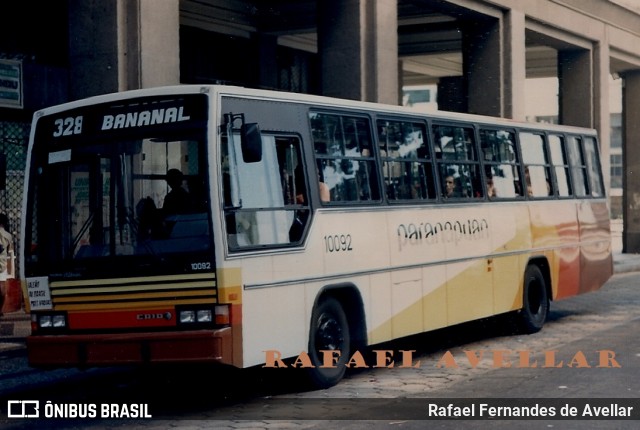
474,55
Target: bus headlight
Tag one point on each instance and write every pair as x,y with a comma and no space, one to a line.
188,316
52,321
211,315
46,321
59,321
204,316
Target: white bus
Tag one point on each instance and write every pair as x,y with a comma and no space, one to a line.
222,224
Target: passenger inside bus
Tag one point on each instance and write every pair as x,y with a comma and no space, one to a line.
491,189
538,184
178,200
156,223
300,215
325,192
452,189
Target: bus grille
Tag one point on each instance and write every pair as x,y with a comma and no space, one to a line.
123,293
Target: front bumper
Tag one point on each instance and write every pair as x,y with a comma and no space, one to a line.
88,350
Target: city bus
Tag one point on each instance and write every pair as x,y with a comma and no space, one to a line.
220,224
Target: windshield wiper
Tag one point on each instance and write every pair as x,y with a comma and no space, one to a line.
80,235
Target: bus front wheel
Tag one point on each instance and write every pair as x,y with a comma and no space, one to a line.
329,344
535,304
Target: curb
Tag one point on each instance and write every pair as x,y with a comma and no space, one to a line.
14,328
624,263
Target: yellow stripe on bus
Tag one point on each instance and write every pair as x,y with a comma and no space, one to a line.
230,285
128,288
142,296
131,305
134,281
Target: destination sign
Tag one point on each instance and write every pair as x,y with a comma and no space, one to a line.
140,115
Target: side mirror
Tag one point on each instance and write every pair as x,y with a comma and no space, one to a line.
251,143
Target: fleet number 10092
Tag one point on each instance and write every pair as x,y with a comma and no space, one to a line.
337,243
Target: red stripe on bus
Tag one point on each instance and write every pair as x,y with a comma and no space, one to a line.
122,319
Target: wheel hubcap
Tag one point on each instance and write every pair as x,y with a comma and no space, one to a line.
328,334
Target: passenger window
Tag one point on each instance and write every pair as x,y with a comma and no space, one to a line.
578,166
560,163
345,157
593,163
458,164
501,164
537,173
406,164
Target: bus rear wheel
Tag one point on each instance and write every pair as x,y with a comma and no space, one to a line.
329,332
535,304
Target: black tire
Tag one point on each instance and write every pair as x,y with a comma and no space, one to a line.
535,302
329,331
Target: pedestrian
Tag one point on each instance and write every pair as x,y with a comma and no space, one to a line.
6,253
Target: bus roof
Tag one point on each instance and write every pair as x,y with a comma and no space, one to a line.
322,101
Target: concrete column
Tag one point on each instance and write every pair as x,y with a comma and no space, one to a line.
93,48
575,78
267,65
452,94
122,44
602,110
515,73
159,43
482,58
631,162
358,45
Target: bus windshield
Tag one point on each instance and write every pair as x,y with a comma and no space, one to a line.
100,199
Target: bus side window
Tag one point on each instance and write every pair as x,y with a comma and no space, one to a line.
501,163
593,167
458,164
342,147
537,170
578,166
558,151
406,163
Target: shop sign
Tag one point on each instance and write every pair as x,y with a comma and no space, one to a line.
10,84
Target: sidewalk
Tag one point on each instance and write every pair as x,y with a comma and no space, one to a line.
16,326
622,262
